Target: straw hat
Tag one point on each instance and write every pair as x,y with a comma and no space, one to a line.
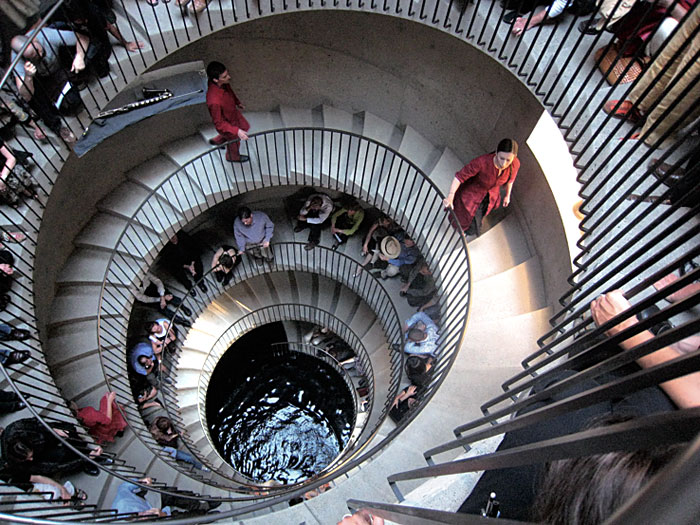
390,247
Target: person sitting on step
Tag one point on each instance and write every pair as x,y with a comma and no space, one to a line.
345,222
224,261
313,215
421,335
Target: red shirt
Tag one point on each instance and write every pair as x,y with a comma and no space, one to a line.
480,178
223,108
99,425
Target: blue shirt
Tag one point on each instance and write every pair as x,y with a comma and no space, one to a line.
428,345
407,255
129,499
259,231
50,40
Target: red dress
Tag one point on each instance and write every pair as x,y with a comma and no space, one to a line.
99,425
478,179
223,108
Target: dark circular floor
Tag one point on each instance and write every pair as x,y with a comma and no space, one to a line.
277,418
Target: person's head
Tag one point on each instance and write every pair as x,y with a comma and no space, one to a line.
506,152
589,489
145,361
424,269
173,239
353,208
156,329
315,203
409,242
19,452
162,430
245,215
226,261
33,51
417,334
217,73
416,365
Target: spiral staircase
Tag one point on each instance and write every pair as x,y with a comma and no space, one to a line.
510,290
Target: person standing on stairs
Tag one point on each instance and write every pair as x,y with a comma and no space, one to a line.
475,191
253,231
224,108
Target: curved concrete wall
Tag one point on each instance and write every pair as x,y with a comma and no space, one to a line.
452,93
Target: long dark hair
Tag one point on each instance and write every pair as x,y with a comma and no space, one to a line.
587,490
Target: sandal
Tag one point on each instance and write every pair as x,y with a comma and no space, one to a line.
78,499
12,236
624,110
197,7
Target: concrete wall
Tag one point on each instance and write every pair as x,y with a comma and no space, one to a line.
404,72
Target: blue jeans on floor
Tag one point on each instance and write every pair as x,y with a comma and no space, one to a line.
179,455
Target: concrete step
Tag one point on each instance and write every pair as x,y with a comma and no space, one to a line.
512,292
498,249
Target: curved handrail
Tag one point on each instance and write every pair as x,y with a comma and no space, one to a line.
290,256
411,192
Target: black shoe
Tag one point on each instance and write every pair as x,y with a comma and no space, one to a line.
509,18
243,158
297,229
269,260
186,311
18,334
91,470
259,261
588,27
310,246
182,321
203,287
193,292
17,357
658,328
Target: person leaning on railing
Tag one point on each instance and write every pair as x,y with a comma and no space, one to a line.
41,80
683,391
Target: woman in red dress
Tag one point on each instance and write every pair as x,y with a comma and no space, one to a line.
476,188
103,424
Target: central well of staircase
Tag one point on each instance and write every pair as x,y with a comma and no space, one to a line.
278,416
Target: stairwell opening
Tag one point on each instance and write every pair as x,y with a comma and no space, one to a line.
277,415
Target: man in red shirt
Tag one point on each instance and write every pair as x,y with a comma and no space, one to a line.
224,108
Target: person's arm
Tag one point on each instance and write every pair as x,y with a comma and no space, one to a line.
430,303
25,81
269,230
506,198
217,256
679,295
683,391
48,481
10,161
130,46
449,200
81,46
368,237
